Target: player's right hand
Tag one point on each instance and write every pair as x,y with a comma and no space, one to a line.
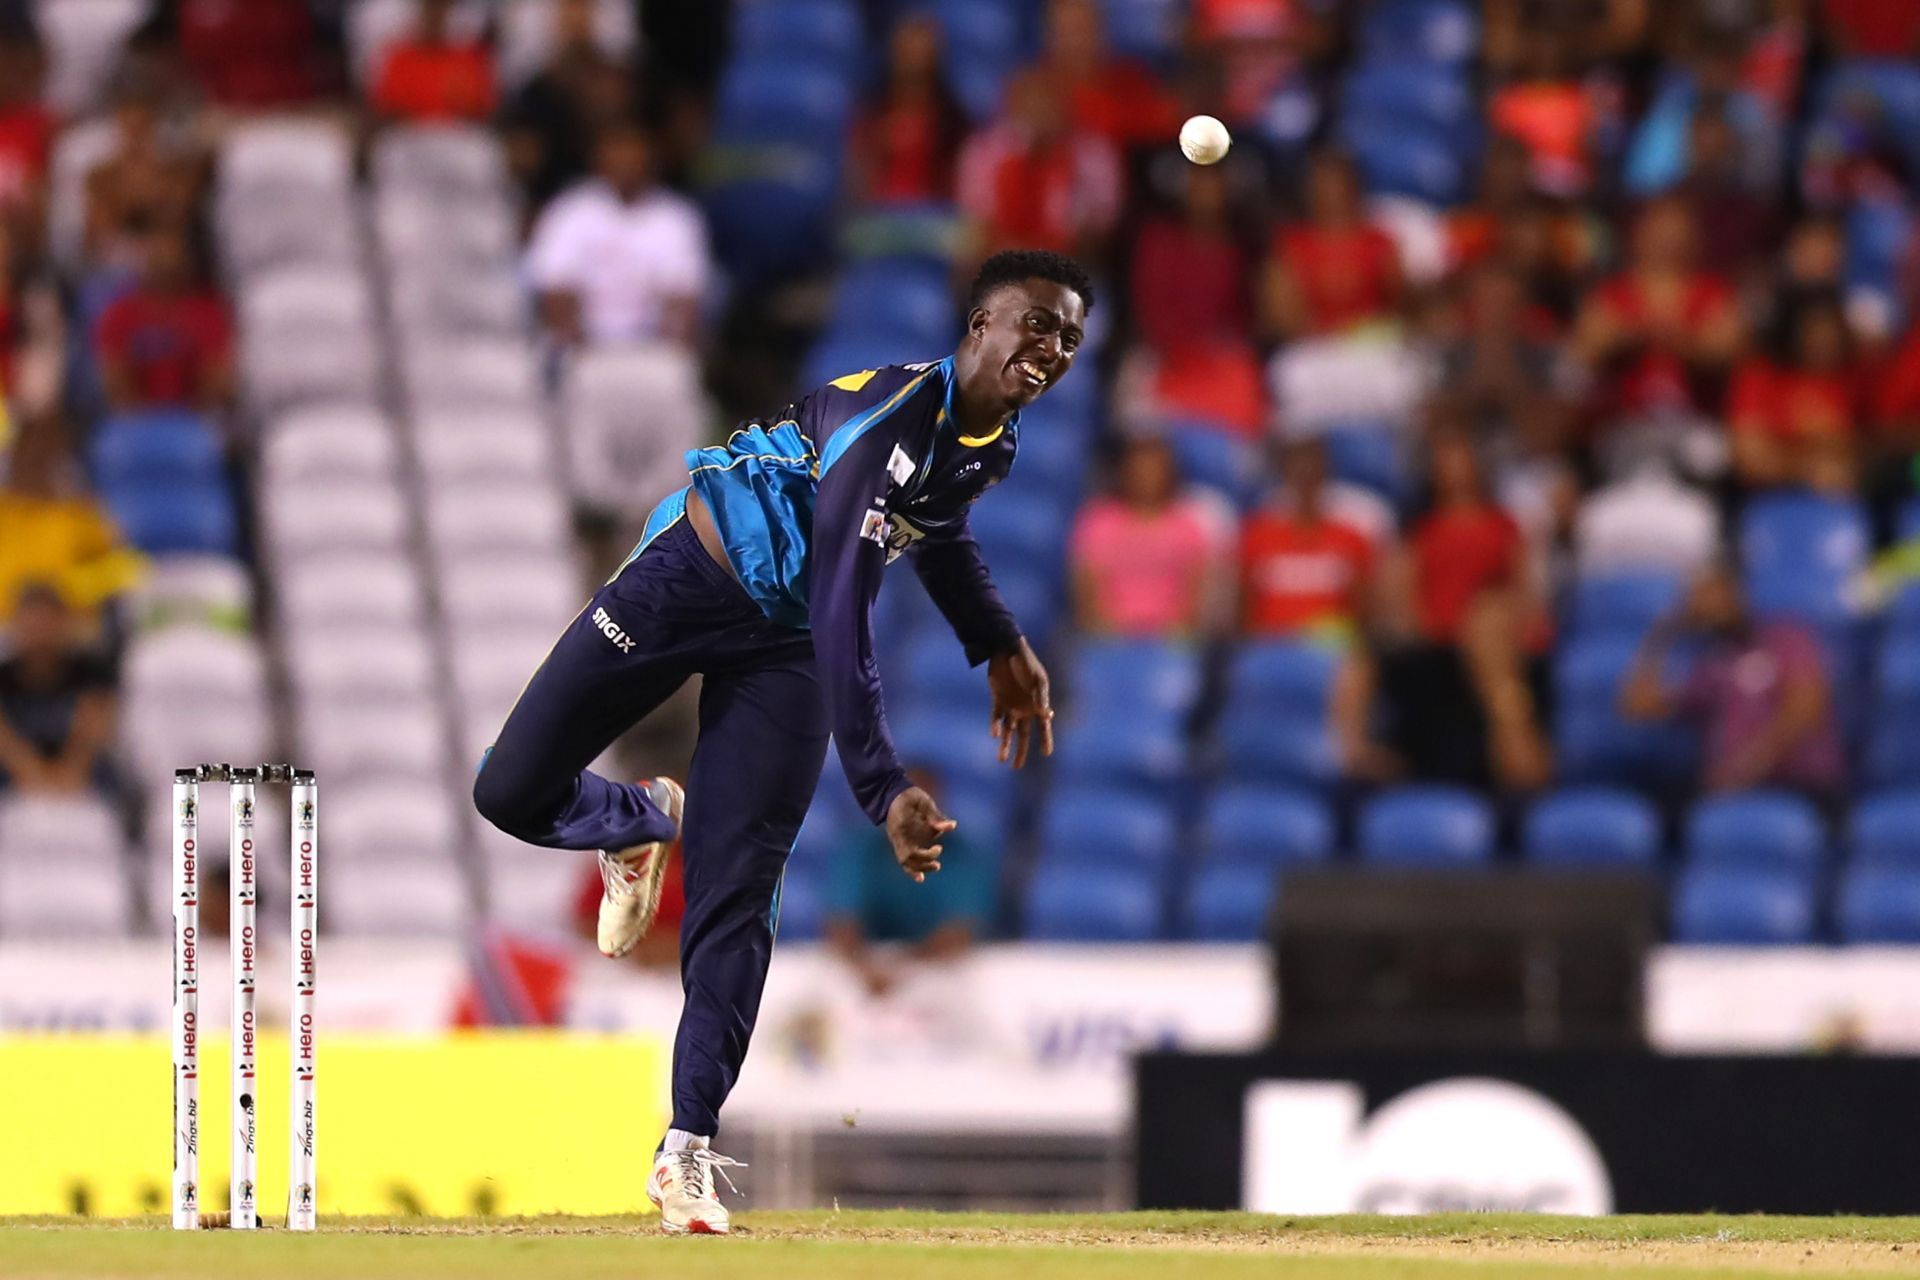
914,824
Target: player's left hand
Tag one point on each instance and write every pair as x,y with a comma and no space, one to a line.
1022,704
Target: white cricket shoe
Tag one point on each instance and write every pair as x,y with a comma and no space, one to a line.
682,1189
633,877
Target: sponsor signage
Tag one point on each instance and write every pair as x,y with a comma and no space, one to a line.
474,1123
1570,1133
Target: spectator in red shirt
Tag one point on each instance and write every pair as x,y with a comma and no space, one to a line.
1547,108
168,342
1794,412
907,140
26,130
1660,335
1461,681
1149,560
1117,98
1335,271
1034,180
1303,571
1192,307
431,77
253,55
1873,28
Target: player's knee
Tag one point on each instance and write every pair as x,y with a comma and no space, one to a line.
501,799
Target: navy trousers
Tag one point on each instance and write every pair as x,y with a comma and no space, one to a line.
669,613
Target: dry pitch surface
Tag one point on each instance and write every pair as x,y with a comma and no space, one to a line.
901,1245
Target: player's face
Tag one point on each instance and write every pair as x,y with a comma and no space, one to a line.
1028,335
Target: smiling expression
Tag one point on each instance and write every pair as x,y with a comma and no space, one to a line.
1026,337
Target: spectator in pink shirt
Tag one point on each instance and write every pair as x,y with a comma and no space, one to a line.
1759,690
1149,560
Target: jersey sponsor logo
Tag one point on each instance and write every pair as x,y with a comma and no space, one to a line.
889,532
900,466
612,630
874,527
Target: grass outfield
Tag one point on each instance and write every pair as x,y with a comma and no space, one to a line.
902,1245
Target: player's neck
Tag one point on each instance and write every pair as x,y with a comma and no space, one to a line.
975,413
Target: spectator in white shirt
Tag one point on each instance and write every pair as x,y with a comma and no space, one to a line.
616,258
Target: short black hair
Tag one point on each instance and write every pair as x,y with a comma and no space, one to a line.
1011,266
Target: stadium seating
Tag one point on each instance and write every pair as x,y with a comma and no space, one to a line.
1879,903
1092,904
1592,827
1735,905
1755,830
1426,826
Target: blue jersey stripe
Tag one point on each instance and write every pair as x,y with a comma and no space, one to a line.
842,439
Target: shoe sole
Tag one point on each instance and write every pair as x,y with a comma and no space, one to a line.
656,868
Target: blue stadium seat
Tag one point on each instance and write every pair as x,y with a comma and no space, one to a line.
908,297
1101,743
1399,158
835,357
820,838
1622,605
1083,903
1734,906
771,212
1878,233
1034,532
1265,827
1151,677
1592,741
769,100
1229,903
1885,829
156,449
1898,683
1255,745
1591,827
1756,829
823,32
1433,96
1427,826
936,674
1372,455
1107,826
1801,553
803,906
1893,752
1054,454
177,519
1214,458
1145,29
1879,904
1284,677
1420,31
982,39
1033,594
957,742
983,808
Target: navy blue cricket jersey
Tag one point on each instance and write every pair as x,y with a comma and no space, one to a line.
814,505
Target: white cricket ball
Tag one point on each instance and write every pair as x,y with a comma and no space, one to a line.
1204,140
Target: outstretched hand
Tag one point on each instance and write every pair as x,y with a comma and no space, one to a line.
914,824
1022,704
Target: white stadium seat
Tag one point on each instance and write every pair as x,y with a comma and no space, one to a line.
330,442
63,868
299,298
410,900
527,591
367,741
481,446
500,516
631,415
279,374
305,519
496,373
281,153
360,663
362,587
447,160
527,887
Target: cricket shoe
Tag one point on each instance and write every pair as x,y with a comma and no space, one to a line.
632,877
682,1189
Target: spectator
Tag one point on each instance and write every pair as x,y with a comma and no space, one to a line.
1192,307
1495,368
1460,668
33,334
1663,148
150,184
52,533
1117,98
1258,48
1035,180
432,76
1722,195
263,55
1658,336
617,258
1760,691
169,342
1148,561
1303,570
550,124
27,129
906,143
1794,412
1546,107
1335,271
56,701
871,901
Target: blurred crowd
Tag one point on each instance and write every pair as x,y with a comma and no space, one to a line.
1548,366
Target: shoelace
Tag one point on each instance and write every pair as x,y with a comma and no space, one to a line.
617,875
696,1166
